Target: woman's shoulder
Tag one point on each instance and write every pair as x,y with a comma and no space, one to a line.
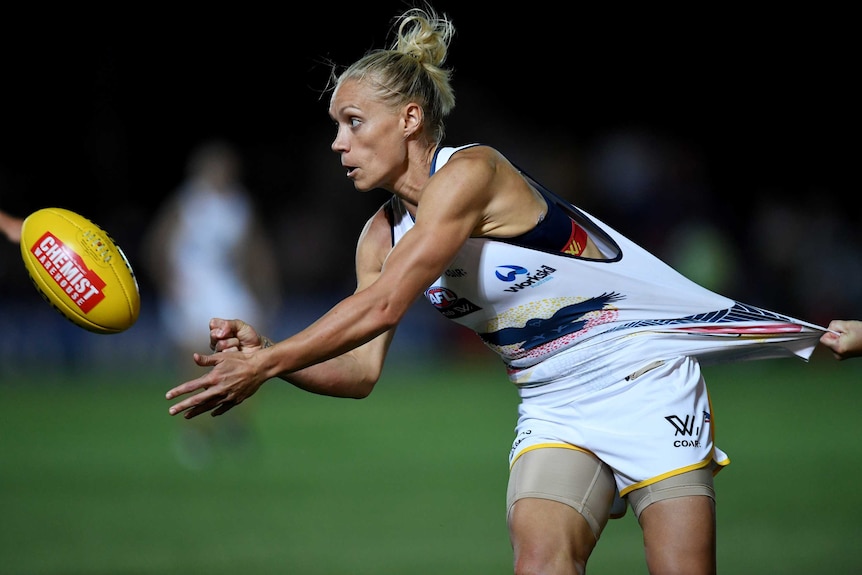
476,152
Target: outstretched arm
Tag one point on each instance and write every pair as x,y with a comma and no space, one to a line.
241,352
351,374
11,226
342,353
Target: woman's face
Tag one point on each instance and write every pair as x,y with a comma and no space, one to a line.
370,137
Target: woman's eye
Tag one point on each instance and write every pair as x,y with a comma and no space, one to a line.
354,122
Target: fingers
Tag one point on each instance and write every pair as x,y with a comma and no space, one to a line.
225,334
216,404
205,393
210,399
222,345
218,323
202,383
221,330
223,407
206,400
222,387
190,402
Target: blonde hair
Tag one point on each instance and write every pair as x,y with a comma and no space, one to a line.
411,70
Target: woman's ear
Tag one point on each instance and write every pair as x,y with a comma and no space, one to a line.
412,118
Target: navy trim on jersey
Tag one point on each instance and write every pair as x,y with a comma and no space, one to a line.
606,244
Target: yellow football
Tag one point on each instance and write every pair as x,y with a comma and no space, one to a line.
80,270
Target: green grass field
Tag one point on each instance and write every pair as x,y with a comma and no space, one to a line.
410,481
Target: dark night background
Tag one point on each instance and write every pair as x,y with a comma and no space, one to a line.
745,124
723,138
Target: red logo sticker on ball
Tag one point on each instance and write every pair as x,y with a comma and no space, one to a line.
67,268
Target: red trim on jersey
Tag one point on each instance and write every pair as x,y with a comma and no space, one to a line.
577,241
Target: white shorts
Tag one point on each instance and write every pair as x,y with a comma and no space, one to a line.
653,424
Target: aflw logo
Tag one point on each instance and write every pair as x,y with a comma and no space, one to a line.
448,302
82,285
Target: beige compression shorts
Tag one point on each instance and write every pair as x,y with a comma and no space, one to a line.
581,481
651,425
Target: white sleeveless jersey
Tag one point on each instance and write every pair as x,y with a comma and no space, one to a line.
543,311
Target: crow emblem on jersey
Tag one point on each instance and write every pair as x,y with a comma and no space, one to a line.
537,331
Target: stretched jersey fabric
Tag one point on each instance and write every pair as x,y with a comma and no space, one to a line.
543,309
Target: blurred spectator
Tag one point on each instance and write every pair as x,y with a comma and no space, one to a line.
208,255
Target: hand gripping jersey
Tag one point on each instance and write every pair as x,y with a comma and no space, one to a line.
545,310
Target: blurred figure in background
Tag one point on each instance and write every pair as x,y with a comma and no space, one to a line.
844,338
10,226
208,255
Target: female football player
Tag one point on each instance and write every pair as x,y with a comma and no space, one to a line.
602,340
